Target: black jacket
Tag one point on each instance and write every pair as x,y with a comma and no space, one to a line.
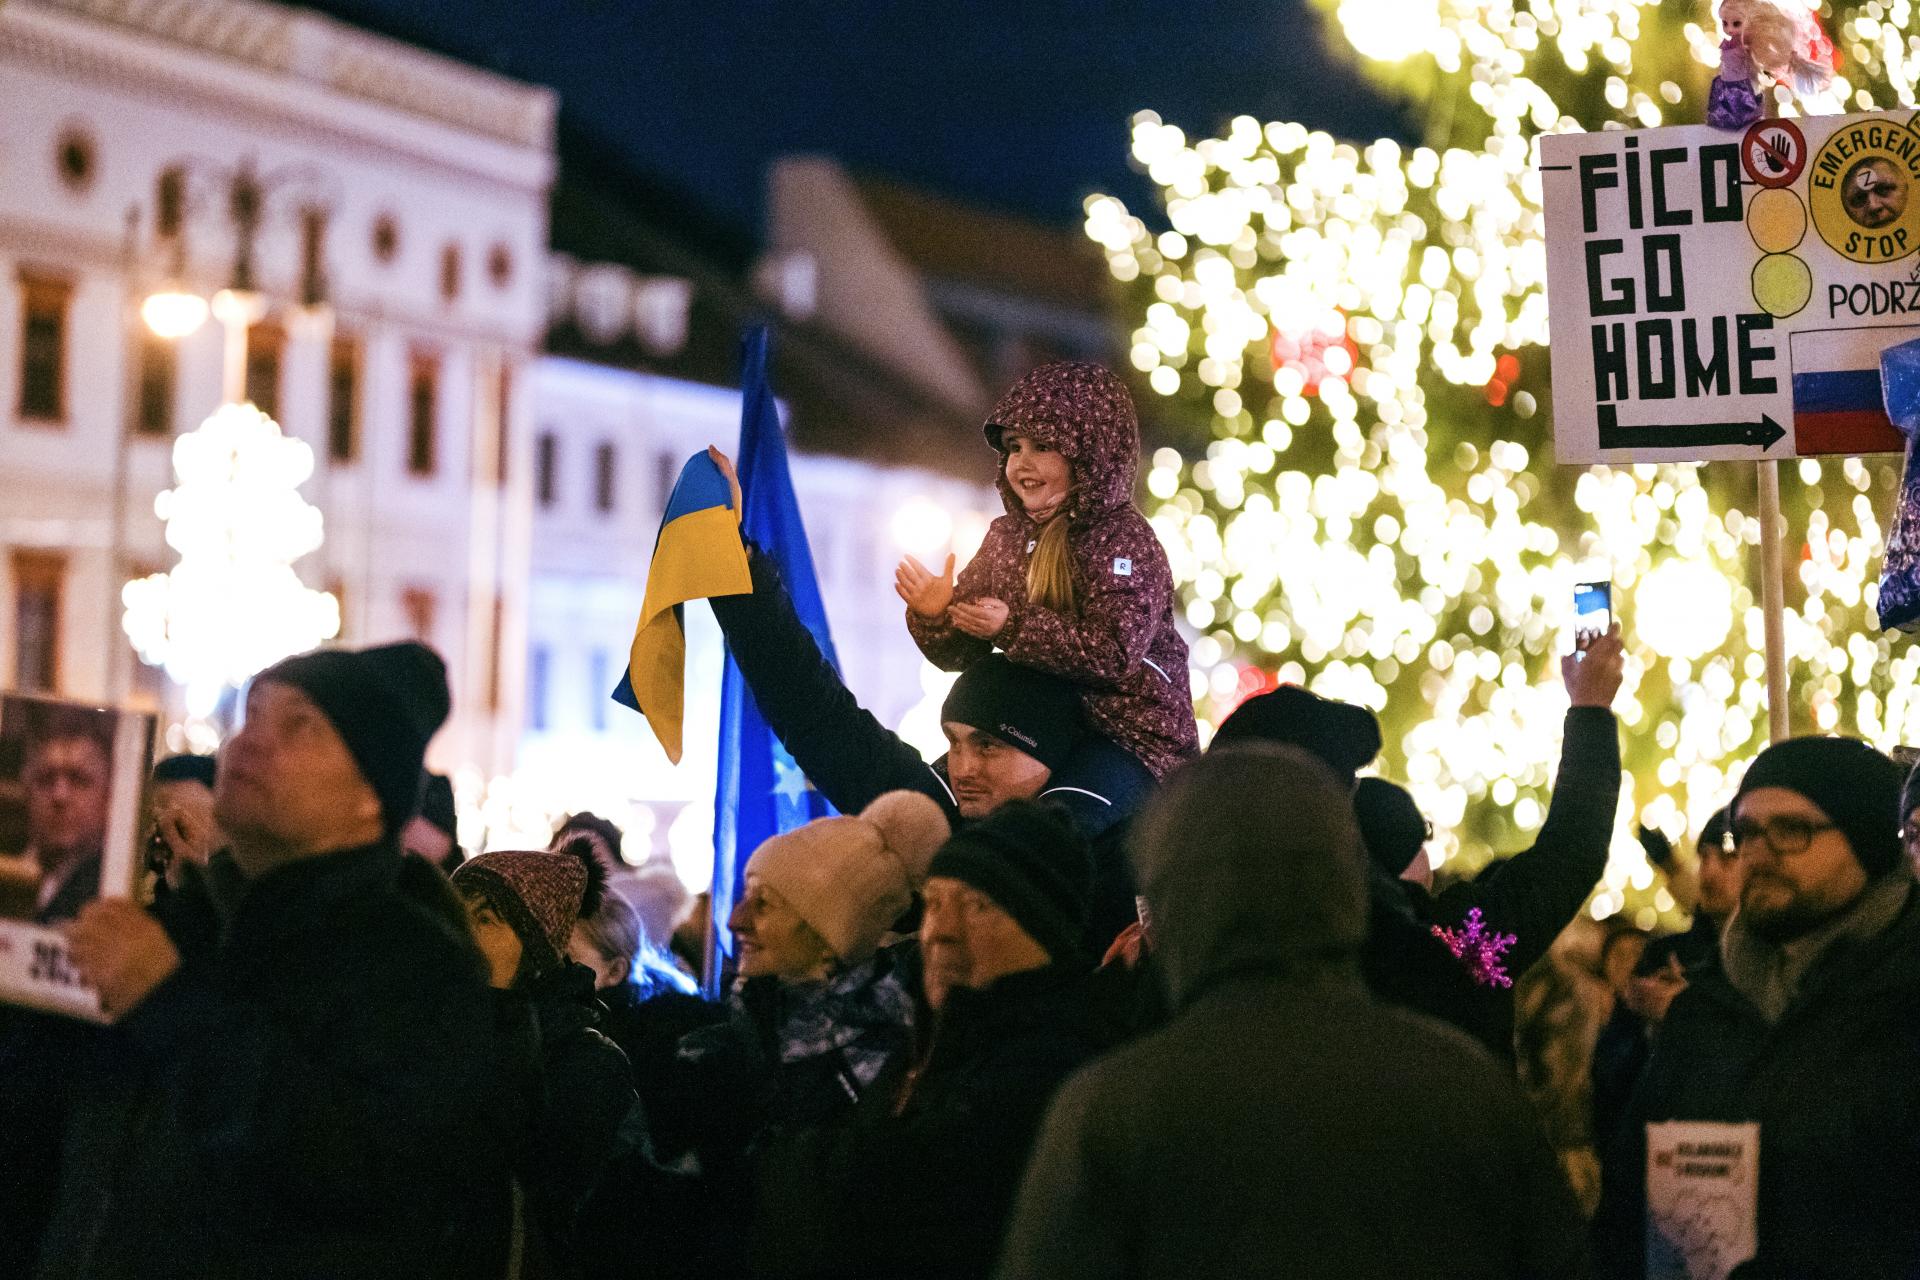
1537,892
315,1092
583,1101
851,758
1835,1087
1293,1128
1532,895
919,1181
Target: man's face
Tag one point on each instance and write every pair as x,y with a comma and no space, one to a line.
1876,194
1788,894
966,940
287,778
986,773
66,781
1720,875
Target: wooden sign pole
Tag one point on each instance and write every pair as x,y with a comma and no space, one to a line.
1773,599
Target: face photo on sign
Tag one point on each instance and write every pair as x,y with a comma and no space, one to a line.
68,805
1874,192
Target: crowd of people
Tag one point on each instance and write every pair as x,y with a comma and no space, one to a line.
1075,999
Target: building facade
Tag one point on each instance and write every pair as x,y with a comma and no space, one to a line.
404,192
477,493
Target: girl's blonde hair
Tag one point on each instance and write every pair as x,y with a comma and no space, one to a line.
1050,571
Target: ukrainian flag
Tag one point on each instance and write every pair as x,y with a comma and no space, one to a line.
698,554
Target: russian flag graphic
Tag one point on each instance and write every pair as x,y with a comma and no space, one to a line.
1837,401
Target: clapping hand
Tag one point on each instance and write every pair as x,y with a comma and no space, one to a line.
924,593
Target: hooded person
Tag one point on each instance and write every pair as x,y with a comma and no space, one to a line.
522,906
918,1180
1284,1123
1804,1024
1072,579
304,1055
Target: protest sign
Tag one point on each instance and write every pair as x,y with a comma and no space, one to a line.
1724,295
72,789
1702,1185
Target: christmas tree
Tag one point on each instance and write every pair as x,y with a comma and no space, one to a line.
1369,504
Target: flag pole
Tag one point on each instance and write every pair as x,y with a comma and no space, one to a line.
1772,599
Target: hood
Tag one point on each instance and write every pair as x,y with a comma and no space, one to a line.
1085,412
1250,861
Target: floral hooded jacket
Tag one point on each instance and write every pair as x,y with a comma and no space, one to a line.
1121,646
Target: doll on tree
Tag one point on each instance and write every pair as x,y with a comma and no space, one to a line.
1766,42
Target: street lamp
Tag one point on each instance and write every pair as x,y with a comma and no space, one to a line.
233,604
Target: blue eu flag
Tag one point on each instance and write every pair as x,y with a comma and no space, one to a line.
760,792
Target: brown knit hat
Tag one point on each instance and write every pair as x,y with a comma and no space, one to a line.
850,878
539,894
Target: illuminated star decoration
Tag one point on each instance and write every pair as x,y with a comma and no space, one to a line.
1479,948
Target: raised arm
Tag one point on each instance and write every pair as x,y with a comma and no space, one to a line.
849,756
1536,893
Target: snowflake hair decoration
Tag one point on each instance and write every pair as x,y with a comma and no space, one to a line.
1479,948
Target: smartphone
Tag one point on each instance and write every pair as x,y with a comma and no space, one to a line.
1592,612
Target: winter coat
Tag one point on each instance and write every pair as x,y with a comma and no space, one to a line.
1120,644
1533,894
789,1055
1833,1085
1284,1123
316,1091
851,758
918,1182
648,1020
583,1100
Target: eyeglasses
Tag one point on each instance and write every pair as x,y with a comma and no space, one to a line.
1785,835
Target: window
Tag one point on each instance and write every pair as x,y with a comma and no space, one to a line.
43,347
423,395
603,477
420,608
38,581
666,474
158,359
343,399
503,425
386,238
546,461
537,663
493,654
600,692
75,157
266,345
450,273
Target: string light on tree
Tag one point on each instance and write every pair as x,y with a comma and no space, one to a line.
233,605
1394,532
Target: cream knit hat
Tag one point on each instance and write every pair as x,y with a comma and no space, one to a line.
850,878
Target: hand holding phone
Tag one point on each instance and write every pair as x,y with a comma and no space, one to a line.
1592,612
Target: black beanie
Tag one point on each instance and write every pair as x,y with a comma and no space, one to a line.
1347,737
386,703
1391,824
187,768
1033,862
1028,710
1856,786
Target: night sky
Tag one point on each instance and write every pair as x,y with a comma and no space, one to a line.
1015,105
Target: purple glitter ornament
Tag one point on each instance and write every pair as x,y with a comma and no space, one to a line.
1479,948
